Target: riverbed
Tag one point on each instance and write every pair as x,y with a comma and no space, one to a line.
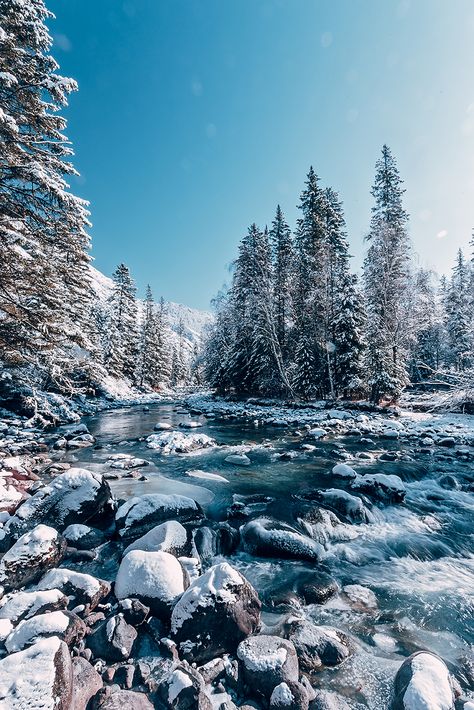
405,576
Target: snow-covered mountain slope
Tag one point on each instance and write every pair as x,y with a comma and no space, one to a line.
194,321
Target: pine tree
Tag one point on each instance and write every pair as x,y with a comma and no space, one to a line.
148,373
459,325
386,278
179,365
43,227
122,346
163,346
283,265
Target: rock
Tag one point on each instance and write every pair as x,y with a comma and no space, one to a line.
169,537
212,670
116,699
361,597
23,605
265,537
448,441
383,487
86,683
64,624
155,578
238,459
83,537
141,513
318,645
423,682
175,442
342,470
219,609
72,497
318,589
47,662
25,562
191,424
184,689
162,426
348,506
82,588
267,661
317,433
328,701
134,612
113,639
289,696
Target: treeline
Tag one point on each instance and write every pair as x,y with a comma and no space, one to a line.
296,322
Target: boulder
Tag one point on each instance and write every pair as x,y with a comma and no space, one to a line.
115,699
169,537
141,513
423,682
155,578
324,700
83,589
134,612
175,442
33,553
184,689
267,661
219,610
63,624
86,683
318,646
75,496
344,504
47,662
266,537
318,588
23,605
113,639
289,696
342,470
82,537
387,488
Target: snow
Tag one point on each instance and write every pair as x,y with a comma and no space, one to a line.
36,688
178,681
30,630
216,585
6,627
35,543
76,531
281,695
149,574
262,653
58,578
18,604
429,687
238,459
317,433
177,442
139,507
166,536
361,595
207,476
342,470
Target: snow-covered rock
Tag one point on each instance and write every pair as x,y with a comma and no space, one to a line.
342,470
318,645
238,459
184,689
162,426
169,537
46,680
141,513
207,476
83,589
289,696
317,433
381,486
266,537
112,698
219,610
155,578
74,496
175,442
83,537
113,639
190,424
423,682
32,554
267,661
361,597
349,506
23,605
63,624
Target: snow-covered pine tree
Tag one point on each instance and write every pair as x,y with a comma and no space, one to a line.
217,345
180,374
148,373
44,242
121,352
426,324
386,278
310,287
283,269
163,344
459,325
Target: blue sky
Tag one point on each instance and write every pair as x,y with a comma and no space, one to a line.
194,119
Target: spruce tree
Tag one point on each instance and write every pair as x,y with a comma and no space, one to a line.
459,325
122,347
386,279
283,265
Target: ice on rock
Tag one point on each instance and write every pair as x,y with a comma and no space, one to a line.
238,459
206,476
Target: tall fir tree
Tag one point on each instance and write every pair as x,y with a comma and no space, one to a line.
283,266
459,325
122,331
386,278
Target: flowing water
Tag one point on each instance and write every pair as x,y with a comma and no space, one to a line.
417,557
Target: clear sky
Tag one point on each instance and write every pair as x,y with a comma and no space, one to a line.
195,118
